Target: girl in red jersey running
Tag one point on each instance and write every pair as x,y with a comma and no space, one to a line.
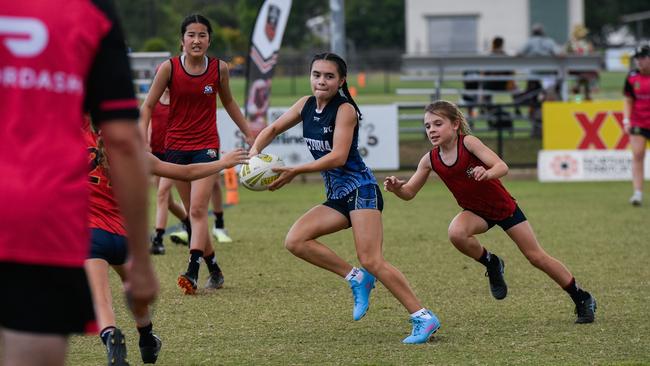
194,81
471,171
109,243
636,120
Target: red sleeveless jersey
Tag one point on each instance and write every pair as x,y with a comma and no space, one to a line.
488,199
193,108
159,121
104,212
56,58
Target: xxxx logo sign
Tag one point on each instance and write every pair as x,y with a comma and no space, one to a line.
591,127
584,126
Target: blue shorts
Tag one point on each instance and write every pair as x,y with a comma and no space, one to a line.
517,217
364,197
191,157
108,246
640,131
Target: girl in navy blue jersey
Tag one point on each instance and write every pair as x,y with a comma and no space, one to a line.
331,128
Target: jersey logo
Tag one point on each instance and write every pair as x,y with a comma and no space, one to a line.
208,89
469,171
23,37
211,153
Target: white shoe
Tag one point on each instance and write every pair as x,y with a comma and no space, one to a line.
636,198
221,235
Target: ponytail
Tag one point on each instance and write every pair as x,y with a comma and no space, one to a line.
346,93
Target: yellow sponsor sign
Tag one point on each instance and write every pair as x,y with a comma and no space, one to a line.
583,126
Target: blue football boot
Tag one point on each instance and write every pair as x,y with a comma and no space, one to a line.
361,293
422,329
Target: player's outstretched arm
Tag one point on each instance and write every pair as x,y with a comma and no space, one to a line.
125,146
408,190
287,120
196,171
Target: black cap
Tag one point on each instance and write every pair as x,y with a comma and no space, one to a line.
642,51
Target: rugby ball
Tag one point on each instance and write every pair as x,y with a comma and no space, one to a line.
258,173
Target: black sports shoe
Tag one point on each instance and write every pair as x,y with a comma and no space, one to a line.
116,349
150,353
495,270
157,247
215,281
586,310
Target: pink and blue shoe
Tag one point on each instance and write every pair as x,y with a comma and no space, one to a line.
361,293
422,329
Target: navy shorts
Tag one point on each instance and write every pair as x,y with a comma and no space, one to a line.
191,157
517,217
108,246
45,299
364,197
640,131
159,155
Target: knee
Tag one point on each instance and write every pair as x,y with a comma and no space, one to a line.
457,236
371,263
198,212
293,244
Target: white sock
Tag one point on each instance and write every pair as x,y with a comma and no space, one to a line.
422,313
638,193
355,274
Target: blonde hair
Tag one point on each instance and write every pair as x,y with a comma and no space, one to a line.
450,111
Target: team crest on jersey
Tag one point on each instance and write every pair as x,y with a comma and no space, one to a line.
208,89
469,171
211,153
637,85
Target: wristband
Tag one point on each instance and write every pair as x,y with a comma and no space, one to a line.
626,121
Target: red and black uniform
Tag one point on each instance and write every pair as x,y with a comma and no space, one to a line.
637,87
64,57
488,199
193,108
159,122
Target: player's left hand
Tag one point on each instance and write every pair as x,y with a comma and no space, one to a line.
286,175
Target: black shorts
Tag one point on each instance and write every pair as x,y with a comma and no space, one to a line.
364,197
45,299
191,157
159,155
640,131
108,246
517,217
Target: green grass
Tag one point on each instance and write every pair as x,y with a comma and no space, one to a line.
278,310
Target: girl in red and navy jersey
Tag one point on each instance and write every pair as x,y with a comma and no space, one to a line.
194,81
636,120
471,171
109,242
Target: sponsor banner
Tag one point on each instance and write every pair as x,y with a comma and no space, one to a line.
584,126
378,137
618,59
266,40
587,165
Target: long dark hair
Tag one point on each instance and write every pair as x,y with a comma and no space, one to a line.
342,68
196,18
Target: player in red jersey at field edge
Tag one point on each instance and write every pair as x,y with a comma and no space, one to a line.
636,120
471,171
67,56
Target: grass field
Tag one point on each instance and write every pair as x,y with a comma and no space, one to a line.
277,310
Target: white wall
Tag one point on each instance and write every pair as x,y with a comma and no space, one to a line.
506,18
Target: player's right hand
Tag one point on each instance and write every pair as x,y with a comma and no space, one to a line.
141,287
392,183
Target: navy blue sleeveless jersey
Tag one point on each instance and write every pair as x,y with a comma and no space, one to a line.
318,131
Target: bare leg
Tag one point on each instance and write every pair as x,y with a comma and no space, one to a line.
462,230
301,239
199,201
368,238
522,234
638,143
97,272
31,349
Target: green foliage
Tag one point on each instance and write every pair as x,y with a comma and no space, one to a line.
599,14
375,24
276,309
155,44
